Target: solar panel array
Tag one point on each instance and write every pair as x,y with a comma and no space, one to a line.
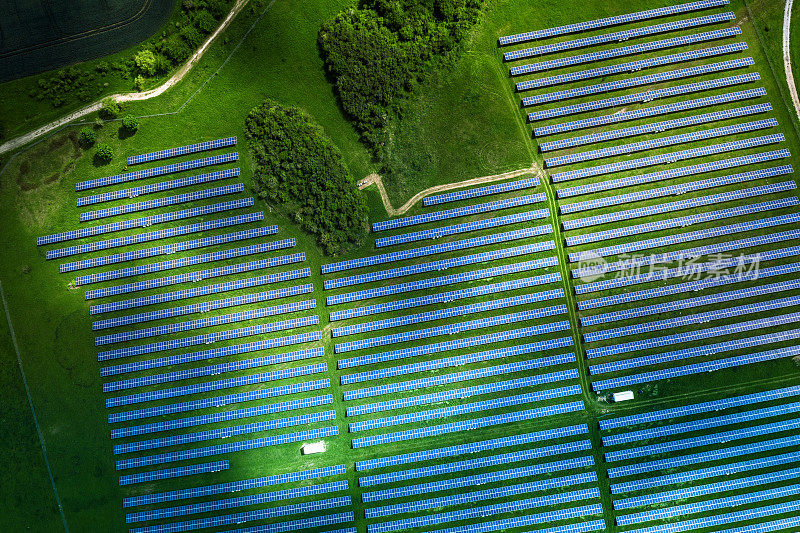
183,150
468,194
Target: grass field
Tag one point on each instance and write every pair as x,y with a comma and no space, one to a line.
469,124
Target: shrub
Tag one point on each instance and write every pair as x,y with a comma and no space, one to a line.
87,137
146,62
130,123
110,108
104,154
205,21
175,48
298,167
192,37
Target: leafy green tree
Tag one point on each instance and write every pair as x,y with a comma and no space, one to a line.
299,168
139,82
104,154
146,62
110,108
130,123
87,137
205,21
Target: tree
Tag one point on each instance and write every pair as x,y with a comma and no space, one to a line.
139,82
146,62
104,154
110,108
130,123
87,137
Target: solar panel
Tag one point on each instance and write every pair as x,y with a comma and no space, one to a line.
304,523
467,425
196,277
764,527
625,116
166,249
133,192
453,345
157,171
183,150
611,53
230,447
234,486
472,447
155,235
617,36
624,149
610,21
442,264
593,105
673,157
213,370
480,191
627,83
655,127
677,189
465,227
144,222
459,212
180,263
435,249
169,473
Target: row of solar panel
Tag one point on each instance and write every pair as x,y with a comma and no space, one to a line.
480,191
647,96
169,473
157,171
611,21
183,150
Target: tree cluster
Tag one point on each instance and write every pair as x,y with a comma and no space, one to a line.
378,52
300,169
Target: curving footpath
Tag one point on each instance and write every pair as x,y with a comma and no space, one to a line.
787,59
22,140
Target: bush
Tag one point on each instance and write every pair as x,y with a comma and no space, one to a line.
146,62
192,37
175,48
205,21
104,154
87,137
130,123
139,83
110,108
298,167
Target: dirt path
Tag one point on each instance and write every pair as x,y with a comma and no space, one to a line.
376,179
22,140
787,59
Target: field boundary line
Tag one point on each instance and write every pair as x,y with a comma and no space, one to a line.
33,410
787,58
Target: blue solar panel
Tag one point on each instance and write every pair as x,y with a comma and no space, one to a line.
476,464
155,235
764,527
443,379
677,189
439,314
253,499
133,192
673,157
480,191
304,523
644,97
459,212
467,425
216,385
453,345
611,53
465,227
212,353
442,264
694,136
202,468
611,21
230,447
212,370
183,150
144,222
162,202
649,79
234,486
195,277
247,516
707,521
157,171
169,248
180,263
494,403
435,249
646,112
450,329
472,447
219,401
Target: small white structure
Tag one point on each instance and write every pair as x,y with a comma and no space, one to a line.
313,447
623,396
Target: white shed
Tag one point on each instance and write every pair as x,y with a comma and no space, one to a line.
622,396
313,447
